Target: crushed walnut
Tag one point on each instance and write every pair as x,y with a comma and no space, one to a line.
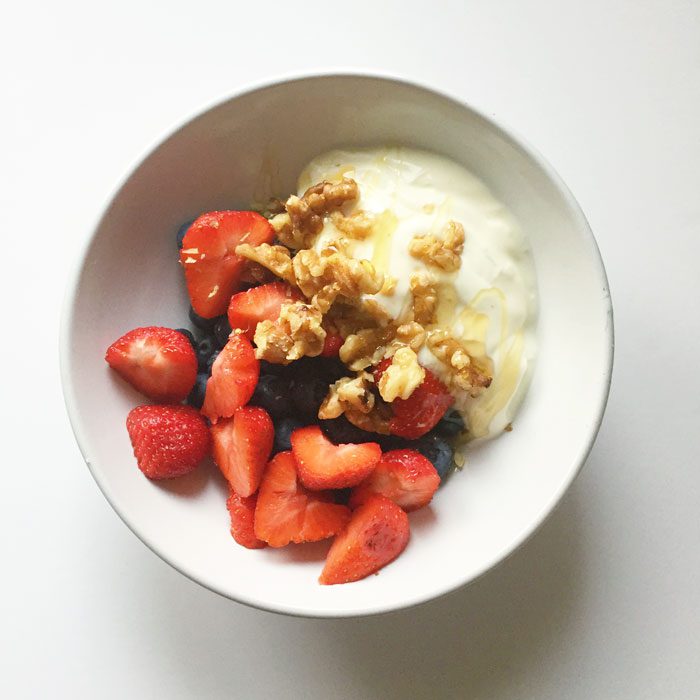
324,276
445,252
296,333
369,346
303,218
347,395
254,274
275,258
357,225
469,373
401,378
425,297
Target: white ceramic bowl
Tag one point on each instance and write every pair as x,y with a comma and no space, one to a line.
254,145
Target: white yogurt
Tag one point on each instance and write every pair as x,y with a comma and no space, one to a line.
489,304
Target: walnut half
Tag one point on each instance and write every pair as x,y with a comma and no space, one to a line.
401,378
445,252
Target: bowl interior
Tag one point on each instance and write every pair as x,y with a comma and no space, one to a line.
254,146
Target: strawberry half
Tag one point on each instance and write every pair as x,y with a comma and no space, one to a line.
376,534
234,375
242,512
168,441
256,304
422,410
323,465
242,446
208,256
158,362
404,476
286,512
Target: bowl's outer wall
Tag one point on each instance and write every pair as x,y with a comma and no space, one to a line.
254,146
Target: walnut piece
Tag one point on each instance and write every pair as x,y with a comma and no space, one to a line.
369,346
357,225
275,258
445,252
254,273
425,298
303,219
297,332
324,276
348,395
402,376
469,373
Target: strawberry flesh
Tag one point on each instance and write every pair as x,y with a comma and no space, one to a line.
377,533
262,303
242,512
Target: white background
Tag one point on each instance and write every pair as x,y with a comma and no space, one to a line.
604,602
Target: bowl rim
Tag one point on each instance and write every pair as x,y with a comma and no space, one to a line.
517,142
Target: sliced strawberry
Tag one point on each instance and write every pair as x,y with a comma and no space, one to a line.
158,362
421,411
242,512
376,534
256,304
286,512
323,465
234,375
208,255
331,345
242,446
404,476
168,441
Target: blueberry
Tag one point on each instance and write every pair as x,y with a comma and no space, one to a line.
283,432
204,350
341,430
328,368
451,424
181,233
438,451
188,335
273,368
222,330
205,324
196,397
308,394
211,360
273,393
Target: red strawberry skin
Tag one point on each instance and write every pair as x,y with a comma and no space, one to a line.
242,512
422,410
234,376
323,465
168,441
242,446
256,304
286,512
404,476
158,362
376,534
208,256
331,345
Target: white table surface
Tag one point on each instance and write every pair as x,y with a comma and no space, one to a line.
604,602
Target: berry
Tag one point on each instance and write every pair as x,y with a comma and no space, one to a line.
263,303
451,424
204,324
222,330
341,430
436,449
188,334
168,441
377,533
274,395
308,394
283,434
196,396
206,347
242,446
234,375
404,476
181,233
331,345
158,362
323,465
286,512
415,416
212,360
208,256
242,512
